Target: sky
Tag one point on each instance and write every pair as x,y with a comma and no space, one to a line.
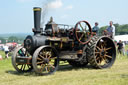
16,16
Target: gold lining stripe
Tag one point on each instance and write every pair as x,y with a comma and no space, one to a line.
37,9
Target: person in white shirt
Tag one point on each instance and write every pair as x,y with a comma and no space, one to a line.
111,30
6,50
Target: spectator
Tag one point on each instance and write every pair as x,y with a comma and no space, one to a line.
6,50
0,57
115,42
96,28
120,46
127,52
123,49
111,30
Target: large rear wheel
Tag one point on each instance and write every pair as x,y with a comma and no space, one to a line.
101,52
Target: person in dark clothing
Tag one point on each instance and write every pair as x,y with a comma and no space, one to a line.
96,28
120,46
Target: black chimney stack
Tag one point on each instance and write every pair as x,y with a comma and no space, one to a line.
37,18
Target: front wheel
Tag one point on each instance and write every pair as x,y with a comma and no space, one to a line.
21,52
45,60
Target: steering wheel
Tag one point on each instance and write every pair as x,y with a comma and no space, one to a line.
83,32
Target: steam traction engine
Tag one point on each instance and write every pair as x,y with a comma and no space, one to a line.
77,45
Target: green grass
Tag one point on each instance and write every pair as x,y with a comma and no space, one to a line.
67,75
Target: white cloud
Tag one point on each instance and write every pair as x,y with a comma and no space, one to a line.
55,4
69,7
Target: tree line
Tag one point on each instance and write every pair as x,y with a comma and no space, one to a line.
119,29
11,39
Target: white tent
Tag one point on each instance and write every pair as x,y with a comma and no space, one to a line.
121,37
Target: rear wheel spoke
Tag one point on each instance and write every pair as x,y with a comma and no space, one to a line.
97,58
21,67
102,46
97,52
108,56
98,48
108,48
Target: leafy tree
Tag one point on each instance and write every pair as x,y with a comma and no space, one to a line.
12,39
102,29
2,40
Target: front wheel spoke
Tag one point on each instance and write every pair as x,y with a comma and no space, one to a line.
42,67
46,68
24,67
49,56
41,62
41,56
21,67
53,58
51,66
28,66
46,55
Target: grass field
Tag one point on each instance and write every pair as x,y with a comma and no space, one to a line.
67,75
